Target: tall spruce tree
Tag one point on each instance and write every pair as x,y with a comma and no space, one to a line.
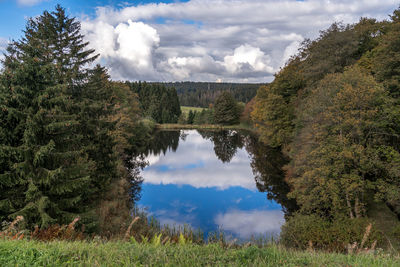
95,117
11,133
49,148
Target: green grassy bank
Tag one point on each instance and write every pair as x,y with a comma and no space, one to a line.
185,109
63,253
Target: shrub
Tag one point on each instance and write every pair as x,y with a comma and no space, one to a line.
312,231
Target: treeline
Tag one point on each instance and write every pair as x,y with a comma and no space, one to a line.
157,101
202,94
67,131
334,109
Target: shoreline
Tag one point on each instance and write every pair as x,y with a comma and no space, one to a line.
177,126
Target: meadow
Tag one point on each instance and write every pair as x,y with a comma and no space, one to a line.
120,253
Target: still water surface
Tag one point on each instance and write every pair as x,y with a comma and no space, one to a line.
215,180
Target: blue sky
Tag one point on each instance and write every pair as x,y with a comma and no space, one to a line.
197,40
13,13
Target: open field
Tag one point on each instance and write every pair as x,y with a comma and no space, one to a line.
185,109
63,253
177,126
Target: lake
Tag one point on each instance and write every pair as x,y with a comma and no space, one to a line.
215,180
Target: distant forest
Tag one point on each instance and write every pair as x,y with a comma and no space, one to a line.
202,94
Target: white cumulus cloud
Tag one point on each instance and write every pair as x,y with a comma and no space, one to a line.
127,48
248,57
207,40
210,171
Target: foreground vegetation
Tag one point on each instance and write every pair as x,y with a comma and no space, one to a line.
61,253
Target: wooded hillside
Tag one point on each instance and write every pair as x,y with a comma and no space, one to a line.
335,110
202,94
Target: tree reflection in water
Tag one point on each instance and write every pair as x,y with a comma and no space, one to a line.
225,142
266,162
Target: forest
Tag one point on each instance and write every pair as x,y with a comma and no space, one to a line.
334,110
202,94
157,102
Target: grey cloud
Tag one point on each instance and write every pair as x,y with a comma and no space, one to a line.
199,38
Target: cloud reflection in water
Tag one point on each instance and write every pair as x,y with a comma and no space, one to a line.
193,186
195,164
246,224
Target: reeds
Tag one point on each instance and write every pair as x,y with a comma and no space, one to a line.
53,232
354,248
12,232
128,231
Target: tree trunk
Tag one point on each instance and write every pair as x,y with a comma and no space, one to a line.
349,206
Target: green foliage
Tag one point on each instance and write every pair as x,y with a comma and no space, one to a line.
226,110
190,118
198,116
334,110
61,122
339,154
54,169
273,117
206,116
383,60
204,94
273,111
157,101
313,232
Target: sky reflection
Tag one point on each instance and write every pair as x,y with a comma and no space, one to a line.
195,164
192,186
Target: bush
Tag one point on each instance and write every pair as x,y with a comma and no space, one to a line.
206,116
312,231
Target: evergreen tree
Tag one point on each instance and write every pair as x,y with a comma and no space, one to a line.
11,133
158,102
226,110
191,116
96,125
50,160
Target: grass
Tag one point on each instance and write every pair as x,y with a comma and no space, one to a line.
118,253
185,109
177,126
